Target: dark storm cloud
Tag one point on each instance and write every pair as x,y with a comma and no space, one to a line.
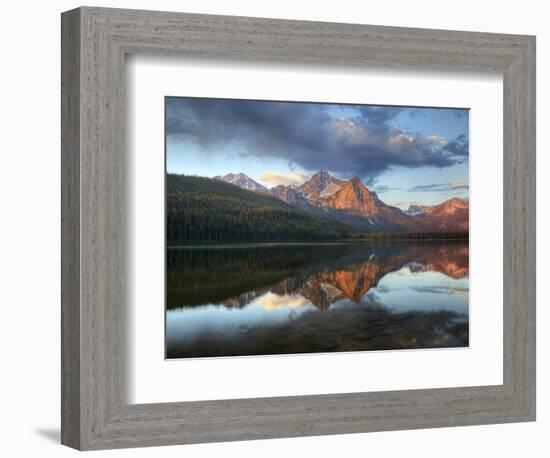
378,115
458,147
415,112
262,125
305,135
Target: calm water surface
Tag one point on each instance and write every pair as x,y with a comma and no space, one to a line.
305,298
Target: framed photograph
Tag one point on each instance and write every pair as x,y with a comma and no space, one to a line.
275,244
277,228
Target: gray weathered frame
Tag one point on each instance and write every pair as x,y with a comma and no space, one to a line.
95,414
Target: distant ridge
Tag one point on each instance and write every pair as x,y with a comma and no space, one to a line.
451,215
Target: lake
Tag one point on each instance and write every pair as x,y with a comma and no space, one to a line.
264,299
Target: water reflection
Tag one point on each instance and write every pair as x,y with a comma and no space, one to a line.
274,299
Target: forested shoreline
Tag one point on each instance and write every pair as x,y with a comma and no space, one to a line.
201,210
206,211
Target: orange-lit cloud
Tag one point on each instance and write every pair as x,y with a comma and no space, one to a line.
270,179
273,301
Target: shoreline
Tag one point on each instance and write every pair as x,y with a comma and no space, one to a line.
325,242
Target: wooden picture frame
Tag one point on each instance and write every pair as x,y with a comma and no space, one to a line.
95,412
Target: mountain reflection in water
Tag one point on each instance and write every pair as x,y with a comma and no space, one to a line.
306,298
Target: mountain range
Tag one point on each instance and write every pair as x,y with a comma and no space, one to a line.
352,203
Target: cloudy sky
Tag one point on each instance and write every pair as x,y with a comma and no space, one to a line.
408,155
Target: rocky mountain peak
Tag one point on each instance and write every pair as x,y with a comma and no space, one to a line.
354,196
290,195
321,174
320,185
417,210
458,202
451,206
242,181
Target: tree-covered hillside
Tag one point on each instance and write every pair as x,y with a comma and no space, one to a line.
204,210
